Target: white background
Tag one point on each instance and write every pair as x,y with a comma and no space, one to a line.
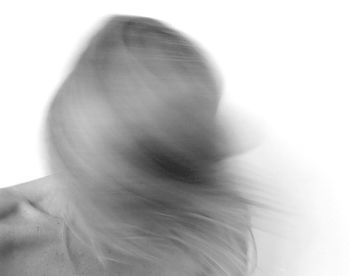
284,64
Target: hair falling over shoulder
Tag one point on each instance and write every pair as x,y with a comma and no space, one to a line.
133,131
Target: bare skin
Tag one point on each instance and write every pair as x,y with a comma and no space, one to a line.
35,241
32,235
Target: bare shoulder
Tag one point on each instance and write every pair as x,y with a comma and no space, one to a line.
32,240
25,230
20,212
21,218
22,202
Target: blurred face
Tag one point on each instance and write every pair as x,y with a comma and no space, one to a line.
133,132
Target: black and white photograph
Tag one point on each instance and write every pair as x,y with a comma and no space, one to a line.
174,138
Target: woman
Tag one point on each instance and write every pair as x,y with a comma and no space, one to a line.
138,184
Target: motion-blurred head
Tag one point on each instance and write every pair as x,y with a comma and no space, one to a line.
133,133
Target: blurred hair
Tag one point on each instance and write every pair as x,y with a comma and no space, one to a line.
132,131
